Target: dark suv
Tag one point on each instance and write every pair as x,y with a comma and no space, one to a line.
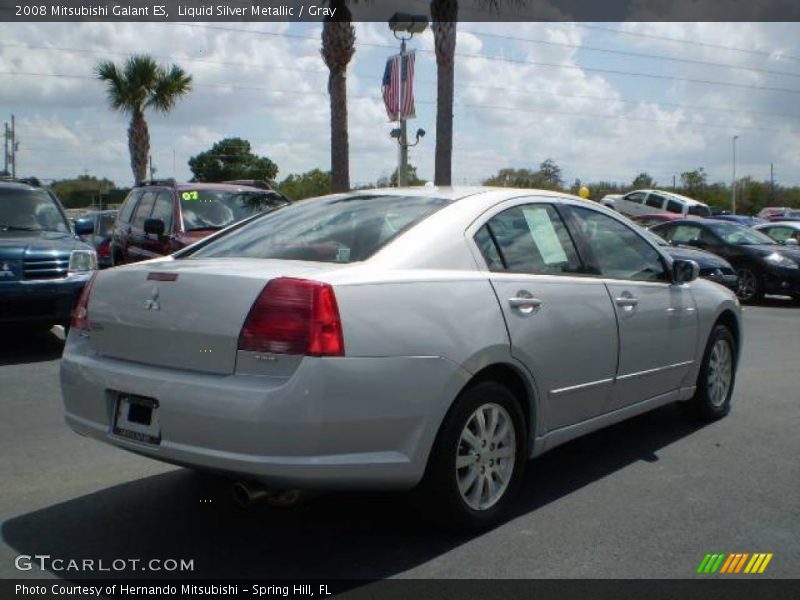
43,264
162,217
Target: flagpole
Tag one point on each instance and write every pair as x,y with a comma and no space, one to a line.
402,165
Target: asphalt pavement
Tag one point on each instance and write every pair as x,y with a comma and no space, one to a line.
647,498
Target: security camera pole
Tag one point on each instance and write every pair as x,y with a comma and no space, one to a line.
400,24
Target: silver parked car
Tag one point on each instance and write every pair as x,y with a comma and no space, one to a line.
415,338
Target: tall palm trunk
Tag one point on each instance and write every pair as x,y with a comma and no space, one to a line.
338,47
444,14
340,143
139,145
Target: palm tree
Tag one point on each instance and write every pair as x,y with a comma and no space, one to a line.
141,83
444,14
338,47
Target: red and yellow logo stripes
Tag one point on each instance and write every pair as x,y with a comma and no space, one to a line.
737,562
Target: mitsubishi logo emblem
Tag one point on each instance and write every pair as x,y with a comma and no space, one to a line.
152,302
5,270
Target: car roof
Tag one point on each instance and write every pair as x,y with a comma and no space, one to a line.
686,199
17,185
792,224
461,192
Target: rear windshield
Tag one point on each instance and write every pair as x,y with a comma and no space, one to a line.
699,210
30,210
337,229
214,209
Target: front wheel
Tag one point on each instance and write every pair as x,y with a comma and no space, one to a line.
712,398
750,288
477,460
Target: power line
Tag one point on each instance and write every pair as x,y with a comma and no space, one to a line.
665,38
463,105
423,82
635,54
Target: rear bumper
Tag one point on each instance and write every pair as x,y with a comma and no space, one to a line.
40,301
335,423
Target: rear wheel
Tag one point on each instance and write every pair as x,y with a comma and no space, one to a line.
751,288
477,460
712,399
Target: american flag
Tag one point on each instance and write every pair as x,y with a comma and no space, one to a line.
395,86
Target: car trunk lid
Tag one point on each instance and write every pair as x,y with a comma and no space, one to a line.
184,314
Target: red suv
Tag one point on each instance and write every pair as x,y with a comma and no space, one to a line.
161,217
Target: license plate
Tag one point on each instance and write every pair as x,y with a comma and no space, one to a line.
136,418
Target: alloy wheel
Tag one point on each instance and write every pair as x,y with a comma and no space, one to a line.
720,371
486,456
748,284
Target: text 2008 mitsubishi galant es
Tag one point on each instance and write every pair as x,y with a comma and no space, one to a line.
418,338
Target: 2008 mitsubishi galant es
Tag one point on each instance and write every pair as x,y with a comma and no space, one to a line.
414,338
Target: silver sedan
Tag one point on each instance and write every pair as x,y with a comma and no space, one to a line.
417,338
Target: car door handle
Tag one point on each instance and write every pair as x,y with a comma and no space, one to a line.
524,304
627,301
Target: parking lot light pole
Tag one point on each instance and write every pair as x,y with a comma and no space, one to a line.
733,184
400,24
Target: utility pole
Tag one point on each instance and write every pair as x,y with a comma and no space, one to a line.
673,183
152,168
6,136
772,182
13,147
403,160
733,184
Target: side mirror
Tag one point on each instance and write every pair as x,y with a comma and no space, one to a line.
84,227
684,271
155,226
790,242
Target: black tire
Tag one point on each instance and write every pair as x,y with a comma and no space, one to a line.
438,496
753,290
703,406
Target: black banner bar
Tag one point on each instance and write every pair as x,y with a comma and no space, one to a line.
382,10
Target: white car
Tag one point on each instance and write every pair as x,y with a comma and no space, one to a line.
783,232
643,202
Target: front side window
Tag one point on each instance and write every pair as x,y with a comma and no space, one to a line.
30,210
337,229
699,210
618,251
530,239
636,197
217,208
163,210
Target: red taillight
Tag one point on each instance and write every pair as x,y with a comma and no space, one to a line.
80,315
294,316
104,249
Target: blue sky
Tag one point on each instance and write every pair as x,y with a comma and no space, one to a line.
258,82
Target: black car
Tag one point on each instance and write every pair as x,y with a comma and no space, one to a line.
712,267
102,224
44,266
763,266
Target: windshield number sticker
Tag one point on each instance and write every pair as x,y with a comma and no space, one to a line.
194,195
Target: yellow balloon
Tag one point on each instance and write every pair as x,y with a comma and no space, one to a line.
584,192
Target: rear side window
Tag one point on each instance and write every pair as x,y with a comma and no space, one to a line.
674,206
683,234
105,225
144,209
336,229
655,201
530,239
127,209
